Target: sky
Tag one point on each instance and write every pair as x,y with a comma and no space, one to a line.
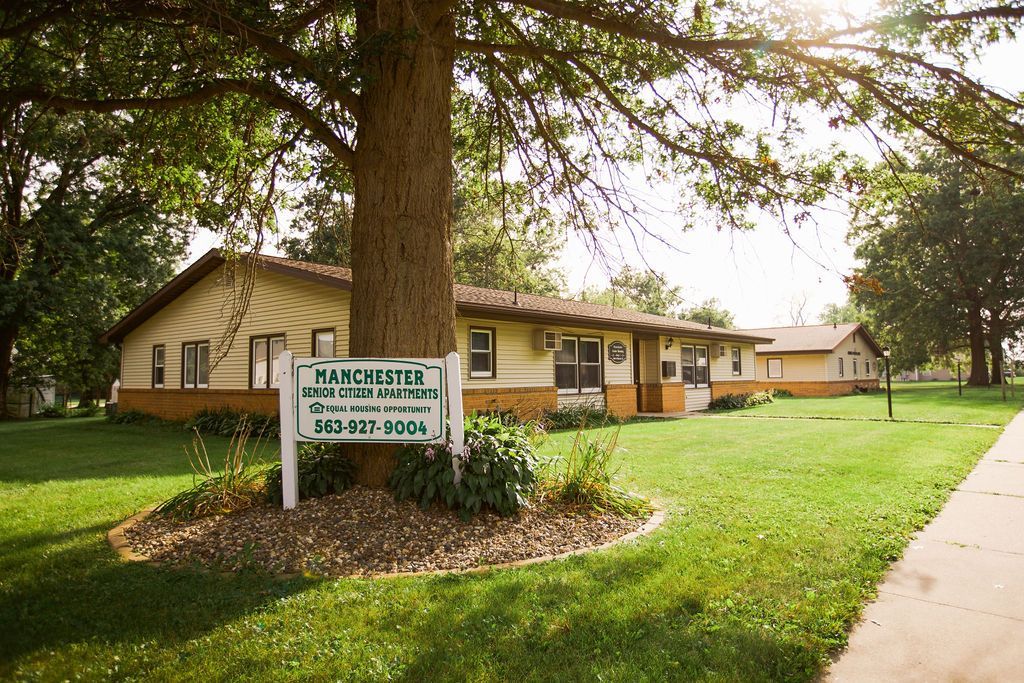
762,276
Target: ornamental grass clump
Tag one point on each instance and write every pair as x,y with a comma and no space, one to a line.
237,485
584,477
498,469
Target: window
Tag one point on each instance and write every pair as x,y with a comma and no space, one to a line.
323,343
737,361
721,351
481,352
158,367
195,365
867,368
695,366
774,368
578,366
854,367
841,366
688,365
264,361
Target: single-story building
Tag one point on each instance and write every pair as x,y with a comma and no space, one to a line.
519,352
817,360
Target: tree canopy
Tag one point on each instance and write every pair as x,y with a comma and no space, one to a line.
81,245
712,312
640,290
942,243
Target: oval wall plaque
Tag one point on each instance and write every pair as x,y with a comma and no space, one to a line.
617,352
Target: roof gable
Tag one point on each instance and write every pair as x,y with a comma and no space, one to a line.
810,338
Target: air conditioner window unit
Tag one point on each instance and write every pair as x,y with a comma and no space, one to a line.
668,368
547,340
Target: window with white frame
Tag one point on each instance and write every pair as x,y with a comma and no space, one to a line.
867,368
159,361
264,361
578,365
195,365
481,352
323,343
774,368
737,361
695,366
841,369
854,367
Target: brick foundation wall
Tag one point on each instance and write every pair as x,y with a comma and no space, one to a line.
527,402
721,388
808,389
662,398
620,399
181,404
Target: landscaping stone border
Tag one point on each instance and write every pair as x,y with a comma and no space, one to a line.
117,540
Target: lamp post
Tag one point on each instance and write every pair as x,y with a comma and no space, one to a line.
886,351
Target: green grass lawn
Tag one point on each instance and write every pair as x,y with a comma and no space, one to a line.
918,401
776,533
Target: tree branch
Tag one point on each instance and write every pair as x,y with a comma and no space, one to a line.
264,92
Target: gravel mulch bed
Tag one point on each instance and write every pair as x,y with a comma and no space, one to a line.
365,532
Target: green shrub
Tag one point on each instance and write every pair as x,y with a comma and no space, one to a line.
226,421
584,477
238,485
577,415
323,469
782,393
733,401
52,410
497,469
91,410
129,417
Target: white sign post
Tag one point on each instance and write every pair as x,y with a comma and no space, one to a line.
378,400
289,447
453,372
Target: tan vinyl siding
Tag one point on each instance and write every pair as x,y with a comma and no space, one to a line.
843,351
279,304
520,365
796,367
698,399
721,366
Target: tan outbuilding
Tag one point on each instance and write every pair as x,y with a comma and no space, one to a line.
192,345
818,360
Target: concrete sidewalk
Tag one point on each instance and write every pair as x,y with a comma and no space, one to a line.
953,608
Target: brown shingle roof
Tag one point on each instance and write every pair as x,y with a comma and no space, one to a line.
808,338
478,301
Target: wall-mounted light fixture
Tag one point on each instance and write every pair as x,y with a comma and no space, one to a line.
668,344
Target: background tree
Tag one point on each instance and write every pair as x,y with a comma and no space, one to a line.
641,290
710,311
490,249
943,244
563,96
103,276
67,216
846,312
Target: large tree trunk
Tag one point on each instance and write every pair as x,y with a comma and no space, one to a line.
7,337
995,347
976,332
402,296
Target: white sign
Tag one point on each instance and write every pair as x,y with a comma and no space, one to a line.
381,400
370,399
